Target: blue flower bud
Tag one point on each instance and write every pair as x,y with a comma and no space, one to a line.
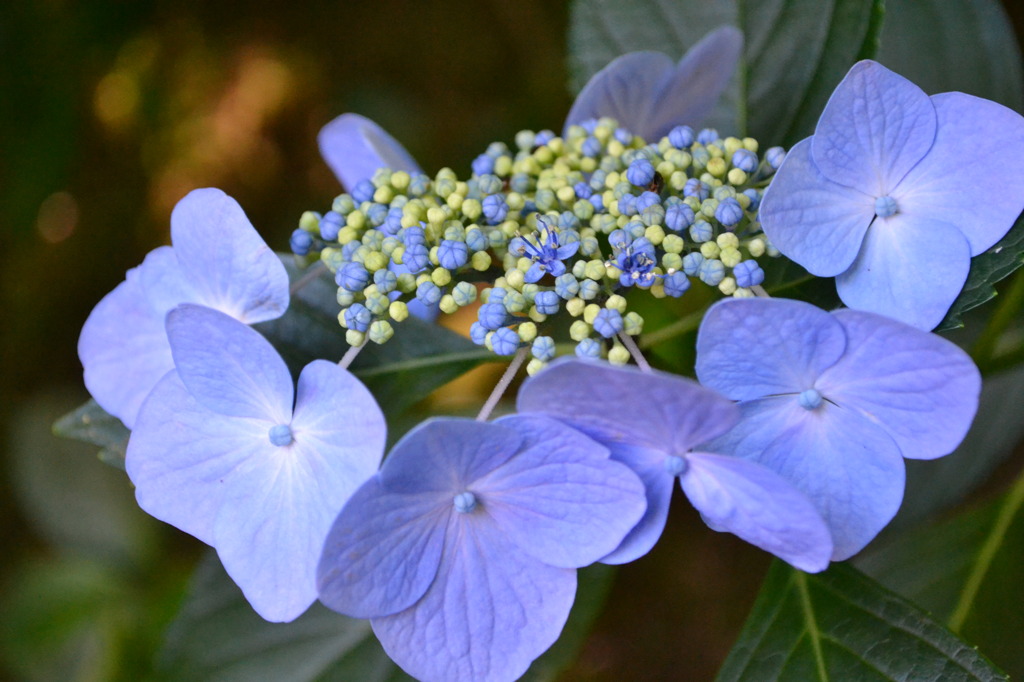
543,348
376,214
566,286
775,156
568,223
707,136
589,289
597,180
608,322
884,207
623,136
280,435
591,147
496,295
583,190
696,188
505,341
416,258
386,281
483,164
330,225
546,302
478,333
542,138
496,149
588,348
419,185
464,293
495,209
681,137
748,273
363,191
348,251
810,399
640,172
489,184
635,229
476,240
343,204
413,235
352,276
745,160
678,217
428,293
701,231
393,222
729,212
521,183
711,271
755,199
646,200
545,200
692,263
451,254
300,242
676,284
358,317
598,202
492,315
464,502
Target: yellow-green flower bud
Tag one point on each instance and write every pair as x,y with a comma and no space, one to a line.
742,292
710,250
481,260
730,256
612,272
455,201
472,209
727,286
727,239
515,279
655,234
383,194
579,330
356,220
381,331
407,282
441,276
309,221
590,313
732,144
575,306
354,338
347,234
374,261
536,315
618,355
736,176
503,166
448,305
756,247
436,215
398,311
535,365
527,331
615,302
673,243
632,324
672,261
595,270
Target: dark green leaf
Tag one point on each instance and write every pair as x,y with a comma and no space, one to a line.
796,51
419,358
841,625
966,571
1000,261
944,45
90,423
217,636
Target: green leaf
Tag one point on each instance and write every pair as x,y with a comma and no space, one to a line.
217,636
841,625
419,358
965,570
944,45
999,262
796,51
90,423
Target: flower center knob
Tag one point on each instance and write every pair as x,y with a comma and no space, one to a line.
810,399
280,435
674,465
464,502
885,206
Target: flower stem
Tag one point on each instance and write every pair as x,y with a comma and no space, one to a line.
350,355
634,350
503,383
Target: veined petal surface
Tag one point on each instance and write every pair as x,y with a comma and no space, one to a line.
876,126
355,148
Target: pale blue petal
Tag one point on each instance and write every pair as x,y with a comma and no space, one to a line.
491,611
164,283
816,222
673,415
561,499
851,470
447,455
180,455
337,416
876,126
649,95
748,348
649,465
973,177
756,504
229,367
918,386
355,148
695,85
908,269
383,551
123,348
230,266
625,90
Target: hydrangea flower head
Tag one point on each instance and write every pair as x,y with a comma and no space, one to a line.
835,401
462,551
217,260
896,191
649,94
226,449
659,440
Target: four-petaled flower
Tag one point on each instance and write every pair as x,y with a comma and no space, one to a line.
217,260
659,440
834,402
463,549
896,191
219,451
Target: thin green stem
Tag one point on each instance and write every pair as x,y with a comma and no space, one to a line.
1005,313
1007,513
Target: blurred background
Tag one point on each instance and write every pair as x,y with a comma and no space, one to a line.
110,112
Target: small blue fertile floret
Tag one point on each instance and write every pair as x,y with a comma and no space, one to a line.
495,209
681,137
301,242
428,293
729,212
748,274
352,276
358,317
493,315
679,217
608,322
330,224
640,172
745,160
588,348
452,254
363,191
505,341
676,284
546,302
